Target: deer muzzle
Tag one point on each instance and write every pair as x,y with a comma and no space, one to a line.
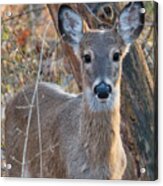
102,90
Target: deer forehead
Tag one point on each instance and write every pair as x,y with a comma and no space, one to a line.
101,40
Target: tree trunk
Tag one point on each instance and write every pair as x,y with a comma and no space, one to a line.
138,116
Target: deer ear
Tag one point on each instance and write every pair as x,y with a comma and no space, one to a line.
131,21
70,25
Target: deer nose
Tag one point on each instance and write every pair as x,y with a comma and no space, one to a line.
102,90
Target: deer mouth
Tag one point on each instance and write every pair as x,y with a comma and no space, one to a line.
103,100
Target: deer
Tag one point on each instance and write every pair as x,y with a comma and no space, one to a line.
81,136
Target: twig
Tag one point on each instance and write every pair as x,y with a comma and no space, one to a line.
46,150
32,103
92,14
150,52
50,148
146,37
39,135
24,107
25,96
14,159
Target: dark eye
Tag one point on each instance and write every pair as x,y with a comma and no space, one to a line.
116,56
87,58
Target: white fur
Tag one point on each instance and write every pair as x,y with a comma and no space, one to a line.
57,88
96,105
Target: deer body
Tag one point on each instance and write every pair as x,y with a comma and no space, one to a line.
76,141
81,133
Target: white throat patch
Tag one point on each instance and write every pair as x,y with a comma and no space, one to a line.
96,105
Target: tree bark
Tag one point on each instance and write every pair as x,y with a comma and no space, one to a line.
137,110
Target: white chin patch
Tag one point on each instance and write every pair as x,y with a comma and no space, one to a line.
99,105
102,100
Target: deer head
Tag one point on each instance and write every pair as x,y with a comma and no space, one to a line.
101,52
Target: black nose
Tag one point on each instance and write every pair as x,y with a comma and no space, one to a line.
102,90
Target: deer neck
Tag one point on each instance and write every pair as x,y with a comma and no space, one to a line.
98,131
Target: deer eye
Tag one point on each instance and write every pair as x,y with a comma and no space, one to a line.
87,58
116,56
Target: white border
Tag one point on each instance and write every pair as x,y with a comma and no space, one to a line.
58,1
41,182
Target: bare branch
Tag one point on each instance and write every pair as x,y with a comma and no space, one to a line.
39,135
50,148
25,96
24,107
17,161
32,103
92,14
